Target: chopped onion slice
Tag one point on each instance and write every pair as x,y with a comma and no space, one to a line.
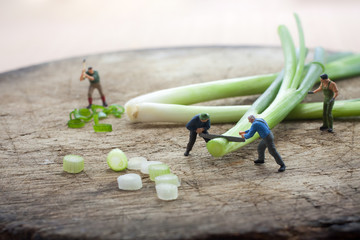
73,163
117,160
168,178
166,191
158,170
145,166
130,181
135,163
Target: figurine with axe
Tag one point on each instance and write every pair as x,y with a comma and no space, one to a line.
94,80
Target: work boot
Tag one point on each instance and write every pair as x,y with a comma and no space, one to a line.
186,153
282,168
259,161
89,106
323,128
330,130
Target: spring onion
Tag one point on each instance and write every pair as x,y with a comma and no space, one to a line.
73,163
78,118
115,109
75,123
168,178
293,89
117,160
199,93
101,127
168,105
158,170
130,181
145,166
166,191
135,163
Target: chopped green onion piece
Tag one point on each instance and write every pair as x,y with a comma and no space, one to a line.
103,127
75,123
130,181
145,166
78,115
94,107
158,170
85,112
73,163
135,163
116,110
117,160
166,191
168,178
101,115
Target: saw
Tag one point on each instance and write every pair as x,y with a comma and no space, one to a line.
229,138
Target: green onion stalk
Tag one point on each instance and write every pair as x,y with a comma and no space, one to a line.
231,114
293,90
170,105
196,93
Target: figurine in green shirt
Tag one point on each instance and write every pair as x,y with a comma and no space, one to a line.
94,80
330,91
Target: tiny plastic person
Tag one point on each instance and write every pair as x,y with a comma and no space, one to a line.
200,123
330,91
260,125
94,80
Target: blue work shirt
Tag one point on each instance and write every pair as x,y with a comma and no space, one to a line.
260,126
196,123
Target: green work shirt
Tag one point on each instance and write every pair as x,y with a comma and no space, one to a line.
96,77
328,94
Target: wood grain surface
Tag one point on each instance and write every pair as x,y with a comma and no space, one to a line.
317,197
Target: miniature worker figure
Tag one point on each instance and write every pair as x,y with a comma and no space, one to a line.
330,93
200,123
260,125
94,80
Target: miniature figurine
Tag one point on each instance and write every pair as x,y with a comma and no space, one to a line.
200,123
330,93
94,80
260,125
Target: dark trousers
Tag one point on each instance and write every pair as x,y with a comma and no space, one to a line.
192,140
268,142
327,114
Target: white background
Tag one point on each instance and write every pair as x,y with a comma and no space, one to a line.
37,31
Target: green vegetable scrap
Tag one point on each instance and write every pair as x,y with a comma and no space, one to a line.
158,170
117,160
103,127
79,117
73,163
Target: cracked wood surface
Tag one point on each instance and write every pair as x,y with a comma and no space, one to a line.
226,198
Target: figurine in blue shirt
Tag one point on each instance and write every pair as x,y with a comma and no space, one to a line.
200,123
260,125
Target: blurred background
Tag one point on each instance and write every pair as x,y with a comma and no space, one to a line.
38,31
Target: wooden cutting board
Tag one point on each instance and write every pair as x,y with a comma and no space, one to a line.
219,198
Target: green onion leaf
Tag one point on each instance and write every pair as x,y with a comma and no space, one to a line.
75,123
103,127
